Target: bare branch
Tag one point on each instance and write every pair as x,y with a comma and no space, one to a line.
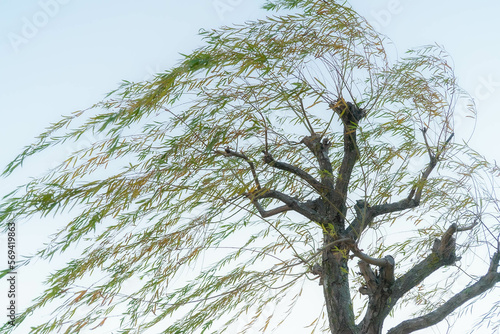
468,227
401,205
310,128
447,243
350,115
370,279
320,150
434,158
229,153
363,218
292,203
384,262
268,159
272,212
484,284
443,253
413,199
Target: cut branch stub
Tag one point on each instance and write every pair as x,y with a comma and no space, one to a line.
348,112
445,247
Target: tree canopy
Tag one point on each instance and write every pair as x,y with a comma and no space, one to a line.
280,154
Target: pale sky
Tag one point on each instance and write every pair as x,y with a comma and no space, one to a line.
57,56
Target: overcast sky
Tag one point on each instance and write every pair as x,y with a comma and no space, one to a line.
57,56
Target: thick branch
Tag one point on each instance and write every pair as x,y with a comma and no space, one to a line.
291,203
320,150
350,115
365,214
370,279
363,219
401,205
384,262
384,292
484,284
268,159
443,253
272,212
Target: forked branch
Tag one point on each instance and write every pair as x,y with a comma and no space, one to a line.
416,191
413,199
290,203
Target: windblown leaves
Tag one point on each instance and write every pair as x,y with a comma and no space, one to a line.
153,197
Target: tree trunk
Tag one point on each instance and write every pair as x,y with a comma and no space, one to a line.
336,289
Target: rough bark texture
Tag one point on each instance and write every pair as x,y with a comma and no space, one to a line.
336,287
336,290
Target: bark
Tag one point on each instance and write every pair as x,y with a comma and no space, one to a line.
336,289
336,281
484,284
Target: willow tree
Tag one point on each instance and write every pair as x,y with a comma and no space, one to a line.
283,152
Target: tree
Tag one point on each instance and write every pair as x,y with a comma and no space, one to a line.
275,155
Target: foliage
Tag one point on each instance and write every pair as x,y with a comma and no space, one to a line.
182,233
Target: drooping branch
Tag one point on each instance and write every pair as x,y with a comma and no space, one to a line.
485,283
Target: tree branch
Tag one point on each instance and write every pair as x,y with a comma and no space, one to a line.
413,199
433,160
272,212
485,283
268,159
320,150
291,203
401,205
363,218
229,153
365,214
383,262
350,116
443,253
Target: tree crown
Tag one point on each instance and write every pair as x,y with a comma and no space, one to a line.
244,152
